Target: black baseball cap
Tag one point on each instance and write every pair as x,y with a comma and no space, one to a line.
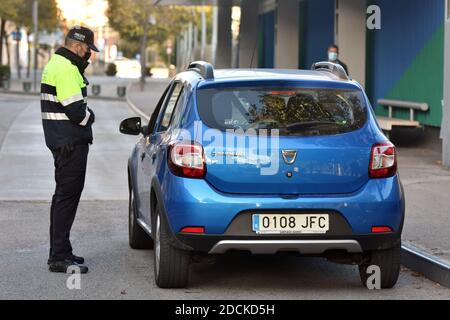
84,35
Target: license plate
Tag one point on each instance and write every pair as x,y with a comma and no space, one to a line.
290,223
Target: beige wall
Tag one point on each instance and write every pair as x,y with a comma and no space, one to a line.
224,48
248,38
351,36
287,34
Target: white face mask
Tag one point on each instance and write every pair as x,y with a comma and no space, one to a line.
332,56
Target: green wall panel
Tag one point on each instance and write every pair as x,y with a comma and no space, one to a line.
422,82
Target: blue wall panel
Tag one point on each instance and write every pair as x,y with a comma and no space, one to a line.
318,31
267,40
406,28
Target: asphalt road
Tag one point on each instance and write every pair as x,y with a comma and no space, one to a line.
100,232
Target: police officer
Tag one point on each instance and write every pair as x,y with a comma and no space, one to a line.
333,56
67,125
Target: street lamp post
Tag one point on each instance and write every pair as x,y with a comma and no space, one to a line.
143,60
151,22
18,38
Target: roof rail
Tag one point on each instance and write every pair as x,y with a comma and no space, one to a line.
334,68
205,69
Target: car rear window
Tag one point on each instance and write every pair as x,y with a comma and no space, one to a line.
293,111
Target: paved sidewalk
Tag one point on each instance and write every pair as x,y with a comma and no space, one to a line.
426,183
108,85
427,189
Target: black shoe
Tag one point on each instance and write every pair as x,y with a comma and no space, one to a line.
63,266
79,260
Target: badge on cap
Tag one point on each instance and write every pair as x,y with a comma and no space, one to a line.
79,36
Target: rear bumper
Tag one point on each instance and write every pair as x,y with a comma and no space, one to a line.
227,218
274,246
320,245
193,202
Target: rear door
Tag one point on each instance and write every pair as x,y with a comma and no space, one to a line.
142,189
154,143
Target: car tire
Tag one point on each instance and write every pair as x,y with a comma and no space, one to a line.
138,238
171,265
389,263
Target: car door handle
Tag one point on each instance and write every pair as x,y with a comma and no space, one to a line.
142,156
153,156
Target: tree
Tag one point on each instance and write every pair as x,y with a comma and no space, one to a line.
141,19
49,19
8,11
129,47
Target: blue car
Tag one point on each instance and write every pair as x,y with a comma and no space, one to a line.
264,161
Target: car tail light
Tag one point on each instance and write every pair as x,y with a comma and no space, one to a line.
383,161
193,230
381,229
187,160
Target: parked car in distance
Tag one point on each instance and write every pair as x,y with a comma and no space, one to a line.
127,68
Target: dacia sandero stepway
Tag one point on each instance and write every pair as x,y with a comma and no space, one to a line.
264,161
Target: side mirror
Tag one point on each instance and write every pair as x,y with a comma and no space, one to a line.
131,126
145,130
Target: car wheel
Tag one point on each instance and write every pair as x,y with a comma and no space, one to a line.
389,263
171,264
138,238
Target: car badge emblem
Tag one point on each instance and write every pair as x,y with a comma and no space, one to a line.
289,156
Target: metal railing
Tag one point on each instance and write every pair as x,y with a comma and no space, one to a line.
412,106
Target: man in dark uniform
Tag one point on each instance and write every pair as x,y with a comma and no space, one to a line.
333,56
67,125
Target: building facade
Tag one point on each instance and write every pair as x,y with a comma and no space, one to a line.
407,58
